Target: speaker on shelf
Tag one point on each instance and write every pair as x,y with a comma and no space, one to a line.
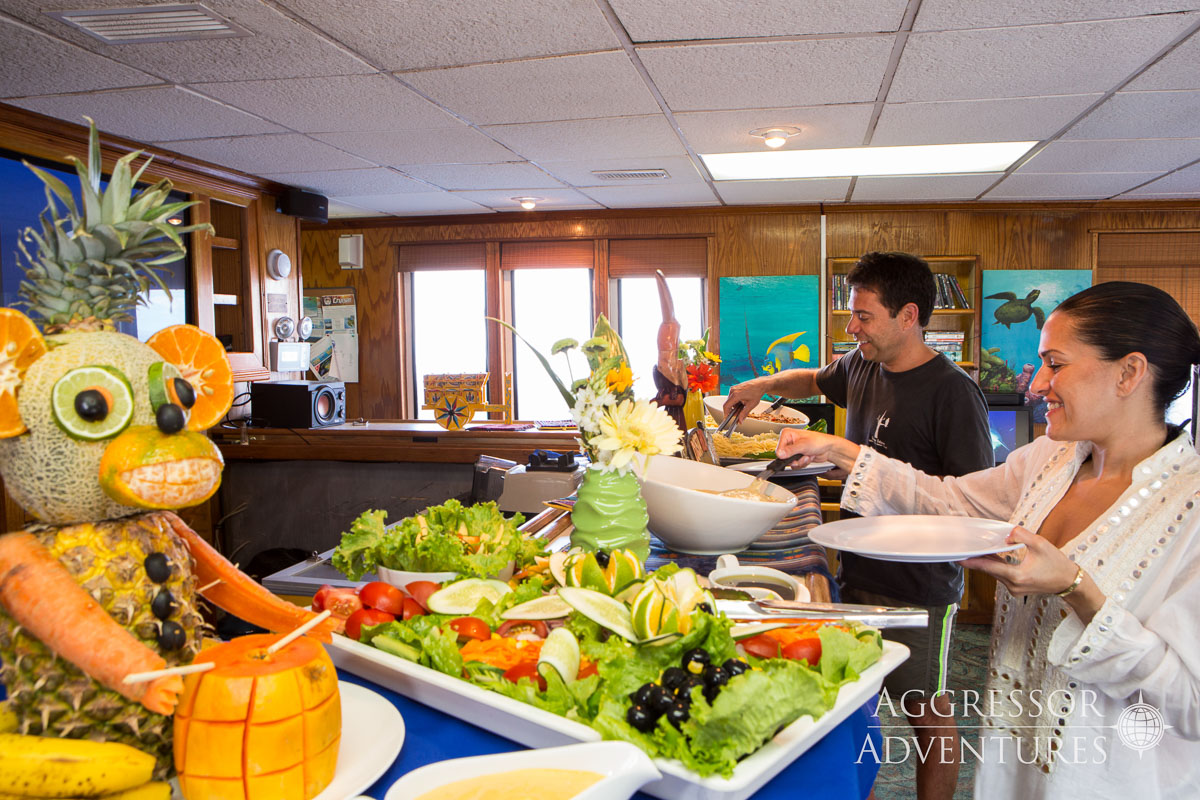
298,404
305,205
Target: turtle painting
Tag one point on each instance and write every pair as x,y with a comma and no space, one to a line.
1014,311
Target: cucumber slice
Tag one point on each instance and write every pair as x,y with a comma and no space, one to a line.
463,596
560,652
601,609
389,644
549,607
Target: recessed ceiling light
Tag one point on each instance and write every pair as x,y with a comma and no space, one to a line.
775,136
527,203
926,159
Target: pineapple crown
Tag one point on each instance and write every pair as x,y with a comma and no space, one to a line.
91,268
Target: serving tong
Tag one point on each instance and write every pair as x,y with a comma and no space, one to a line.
778,610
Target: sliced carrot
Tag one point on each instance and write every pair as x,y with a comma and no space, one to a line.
44,599
501,652
237,593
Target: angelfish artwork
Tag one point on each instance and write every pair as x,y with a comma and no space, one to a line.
768,324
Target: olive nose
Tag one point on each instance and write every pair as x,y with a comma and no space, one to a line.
169,418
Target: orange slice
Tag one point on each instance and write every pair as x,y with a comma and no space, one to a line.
21,344
201,358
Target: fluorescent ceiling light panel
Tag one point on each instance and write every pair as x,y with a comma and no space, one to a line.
843,162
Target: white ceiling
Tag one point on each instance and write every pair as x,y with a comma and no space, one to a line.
412,107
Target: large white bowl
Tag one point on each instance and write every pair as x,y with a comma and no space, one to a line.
692,521
753,427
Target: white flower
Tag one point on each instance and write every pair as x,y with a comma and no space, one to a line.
588,409
634,427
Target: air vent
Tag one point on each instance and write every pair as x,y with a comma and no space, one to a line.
173,23
630,174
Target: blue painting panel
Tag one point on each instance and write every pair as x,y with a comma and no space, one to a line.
768,324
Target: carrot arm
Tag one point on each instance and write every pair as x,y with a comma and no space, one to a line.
44,599
237,592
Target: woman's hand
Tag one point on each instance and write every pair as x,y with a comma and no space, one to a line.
817,447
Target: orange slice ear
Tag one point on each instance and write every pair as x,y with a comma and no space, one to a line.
201,358
21,344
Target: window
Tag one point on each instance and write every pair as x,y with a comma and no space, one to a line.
448,331
548,305
639,315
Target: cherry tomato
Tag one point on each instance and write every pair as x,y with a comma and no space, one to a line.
808,649
420,591
588,671
412,609
523,629
526,669
365,618
382,596
340,602
762,646
319,597
471,628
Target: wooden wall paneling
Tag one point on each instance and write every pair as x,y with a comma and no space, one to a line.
499,340
202,268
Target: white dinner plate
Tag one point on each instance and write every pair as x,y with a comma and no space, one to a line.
815,468
372,734
916,538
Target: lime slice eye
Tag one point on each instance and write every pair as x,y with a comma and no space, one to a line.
167,385
92,403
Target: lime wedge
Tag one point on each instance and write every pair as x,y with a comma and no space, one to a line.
92,403
463,596
549,607
160,378
558,567
601,609
560,651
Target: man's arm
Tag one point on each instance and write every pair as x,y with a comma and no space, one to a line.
791,383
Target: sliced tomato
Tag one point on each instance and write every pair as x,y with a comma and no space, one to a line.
365,618
471,628
382,596
339,602
526,669
420,591
523,629
807,649
412,609
319,597
762,646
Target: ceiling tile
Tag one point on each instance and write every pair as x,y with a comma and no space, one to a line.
375,180
1095,185
1184,182
482,176
1135,115
579,173
664,196
612,137
958,14
339,103
921,188
454,32
455,145
34,63
1075,58
549,199
1023,119
339,210
806,190
415,204
1178,70
263,154
1122,155
537,90
668,20
820,127
178,114
768,74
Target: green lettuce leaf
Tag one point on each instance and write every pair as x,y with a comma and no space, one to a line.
358,552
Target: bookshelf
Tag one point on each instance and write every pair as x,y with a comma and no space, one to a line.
946,324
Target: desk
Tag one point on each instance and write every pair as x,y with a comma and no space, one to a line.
825,772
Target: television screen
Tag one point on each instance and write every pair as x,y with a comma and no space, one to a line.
1012,427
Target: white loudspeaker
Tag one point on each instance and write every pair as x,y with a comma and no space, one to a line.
350,251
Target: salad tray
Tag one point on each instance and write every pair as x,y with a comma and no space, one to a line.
534,727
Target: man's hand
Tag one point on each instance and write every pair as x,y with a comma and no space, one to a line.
748,393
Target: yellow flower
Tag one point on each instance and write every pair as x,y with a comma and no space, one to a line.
634,427
619,379
712,357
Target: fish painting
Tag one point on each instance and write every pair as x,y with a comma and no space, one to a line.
784,356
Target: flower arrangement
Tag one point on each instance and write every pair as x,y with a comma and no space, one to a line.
702,372
613,425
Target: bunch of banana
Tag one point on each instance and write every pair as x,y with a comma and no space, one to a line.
45,767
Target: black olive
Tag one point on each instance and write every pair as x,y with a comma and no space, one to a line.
678,713
640,718
715,676
163,604
602,558
604,634
158,569
659,700
91,405
735,666
711,692
185,393
684,691
672,677
172,636
169,418
695,660
706,608
642,696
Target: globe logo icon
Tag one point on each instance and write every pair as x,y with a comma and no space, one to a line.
1140,726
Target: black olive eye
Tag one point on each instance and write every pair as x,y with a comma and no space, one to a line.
169,418
91,405
184,393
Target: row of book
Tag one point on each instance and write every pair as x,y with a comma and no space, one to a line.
948,342
841,292
949,293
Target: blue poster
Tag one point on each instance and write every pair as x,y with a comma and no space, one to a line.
768,324
1016,303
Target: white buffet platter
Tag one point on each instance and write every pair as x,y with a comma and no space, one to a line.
534,727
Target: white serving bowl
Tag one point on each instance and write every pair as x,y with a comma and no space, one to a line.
692,521
753,427
625,768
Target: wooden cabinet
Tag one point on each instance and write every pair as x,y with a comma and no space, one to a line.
963,271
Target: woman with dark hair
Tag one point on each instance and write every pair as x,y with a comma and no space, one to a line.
1094,680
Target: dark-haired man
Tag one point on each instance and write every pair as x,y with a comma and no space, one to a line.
908,402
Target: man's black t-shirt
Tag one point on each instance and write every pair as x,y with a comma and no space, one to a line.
933,417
